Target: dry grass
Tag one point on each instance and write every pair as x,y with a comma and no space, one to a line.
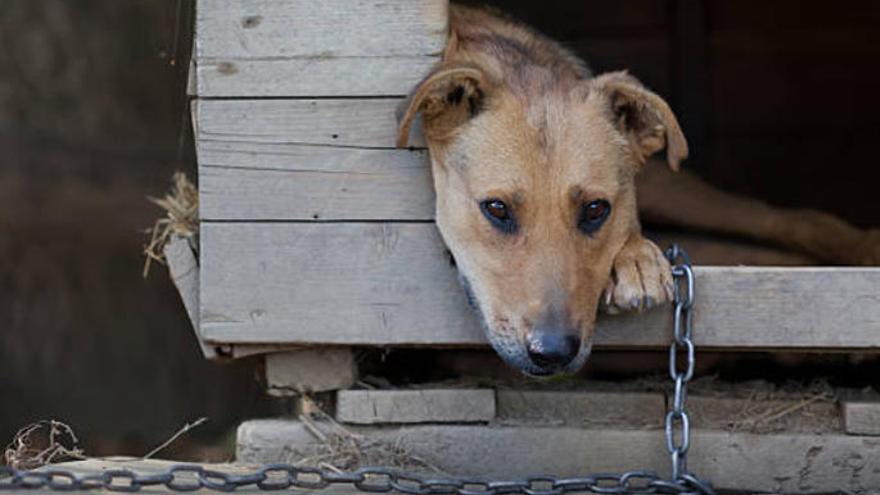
762,407
183,431
340,449
181,206
42,443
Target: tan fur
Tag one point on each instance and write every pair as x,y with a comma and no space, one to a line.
510,115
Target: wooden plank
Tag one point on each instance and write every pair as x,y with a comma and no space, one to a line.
752,463
243,181
293,373
305,77
330,28
439,405
308,159
247,350
392,284
364,123
862,417
183,267
307,48
310,291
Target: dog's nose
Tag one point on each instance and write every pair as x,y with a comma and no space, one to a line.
552,349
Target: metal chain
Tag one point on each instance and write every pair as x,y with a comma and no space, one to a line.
678,425
188,477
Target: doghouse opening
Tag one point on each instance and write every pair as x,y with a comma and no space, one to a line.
775,98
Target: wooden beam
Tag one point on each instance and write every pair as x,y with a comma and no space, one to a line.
739,461
305,48
392,284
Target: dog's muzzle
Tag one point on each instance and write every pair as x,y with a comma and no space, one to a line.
549,349
544,355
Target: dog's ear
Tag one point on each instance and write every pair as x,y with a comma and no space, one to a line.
446,98
644,118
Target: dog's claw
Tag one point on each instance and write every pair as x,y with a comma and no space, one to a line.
640,280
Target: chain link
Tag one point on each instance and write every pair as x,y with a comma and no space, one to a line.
678,427
186,478
272,477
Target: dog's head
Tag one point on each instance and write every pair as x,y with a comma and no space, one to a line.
535,197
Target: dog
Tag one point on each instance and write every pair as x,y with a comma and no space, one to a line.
536,164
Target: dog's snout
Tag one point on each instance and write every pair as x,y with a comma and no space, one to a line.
552,348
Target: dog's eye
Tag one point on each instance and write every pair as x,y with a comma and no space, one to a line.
593,215
499,215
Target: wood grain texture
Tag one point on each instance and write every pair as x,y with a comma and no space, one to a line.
308,159
295,372
329,28
392,284
363,123
438,405
737,461
243,181
862,417
305,77
299,48
183,267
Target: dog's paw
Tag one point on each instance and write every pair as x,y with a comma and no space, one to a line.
641,278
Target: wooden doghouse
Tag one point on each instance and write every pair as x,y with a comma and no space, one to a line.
317,237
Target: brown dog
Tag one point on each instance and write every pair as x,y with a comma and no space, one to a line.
534,163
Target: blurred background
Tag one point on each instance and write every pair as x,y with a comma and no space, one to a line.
93,119
778,97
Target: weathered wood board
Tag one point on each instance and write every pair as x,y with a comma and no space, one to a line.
741,461
183,267
434,405
307,48
309,159
375,283
862,417
392,76
244,181
359,123
294,372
